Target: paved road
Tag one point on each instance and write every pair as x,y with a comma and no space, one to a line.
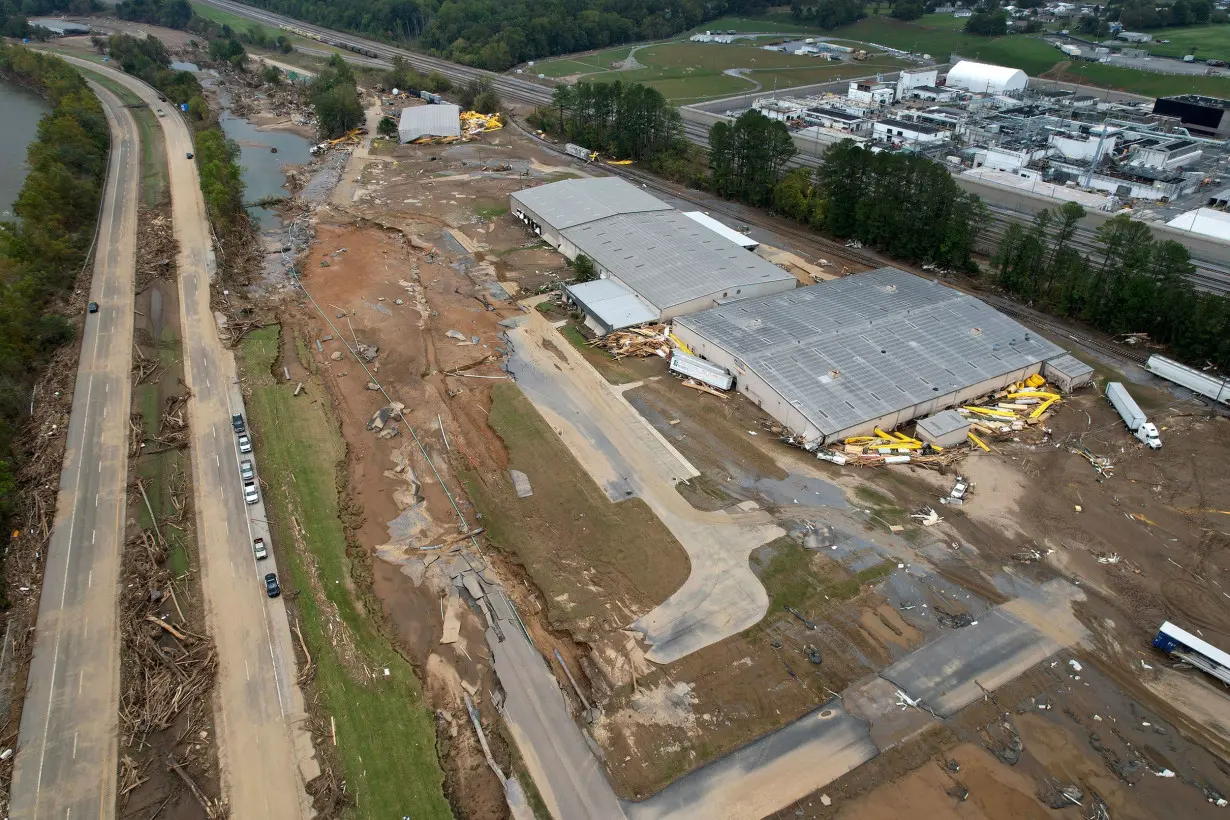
626,456
66,747
263,746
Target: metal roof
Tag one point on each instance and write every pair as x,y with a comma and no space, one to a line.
668,259
941,424
866,345
439,120
985,78
742,240
613,304
1069,366
577,201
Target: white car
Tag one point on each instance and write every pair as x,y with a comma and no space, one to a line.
246,471
245,444
249,492
259,550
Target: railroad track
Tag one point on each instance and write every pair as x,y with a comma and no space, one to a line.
1058,331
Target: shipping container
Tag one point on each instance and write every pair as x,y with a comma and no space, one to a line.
701,370
579,152
1213,387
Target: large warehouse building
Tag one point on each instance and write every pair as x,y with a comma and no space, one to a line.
874,349
672,264
441,120
984,78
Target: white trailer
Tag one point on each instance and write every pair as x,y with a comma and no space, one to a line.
580,152
1070,50
1217,389
701,370
1137,423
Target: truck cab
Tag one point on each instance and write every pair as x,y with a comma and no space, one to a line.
1147,433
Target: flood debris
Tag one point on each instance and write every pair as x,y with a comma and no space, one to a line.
1002,739
927,516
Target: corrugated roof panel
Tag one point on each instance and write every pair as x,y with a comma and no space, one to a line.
441,120
577,201
894,339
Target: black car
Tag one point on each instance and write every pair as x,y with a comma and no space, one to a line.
237,423
271,585
189,155
93,308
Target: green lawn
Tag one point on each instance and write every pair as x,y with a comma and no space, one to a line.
1142,82
385,732
766,24
1203,41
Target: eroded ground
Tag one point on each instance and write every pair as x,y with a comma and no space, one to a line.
416,256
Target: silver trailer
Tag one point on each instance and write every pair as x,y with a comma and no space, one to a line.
579,151
1137,423
1217,389
701,370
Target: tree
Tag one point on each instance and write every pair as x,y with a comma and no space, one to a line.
992,23
387,127
909,9
338,110
271,74
583,269
748,156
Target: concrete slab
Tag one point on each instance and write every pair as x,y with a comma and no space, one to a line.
768,773
521,483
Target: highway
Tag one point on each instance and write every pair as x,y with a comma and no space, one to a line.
66,744
264,749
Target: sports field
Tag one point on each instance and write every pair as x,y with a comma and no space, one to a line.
688,72
1205,42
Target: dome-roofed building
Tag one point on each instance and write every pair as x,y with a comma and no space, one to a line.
984,78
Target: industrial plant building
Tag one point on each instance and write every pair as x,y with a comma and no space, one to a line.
983,78
875,349
672,264
440,120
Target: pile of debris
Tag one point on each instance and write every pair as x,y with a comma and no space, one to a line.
642,342
1012,413
888,448
473,123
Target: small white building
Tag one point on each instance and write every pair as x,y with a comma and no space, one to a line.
1134,37
930,93
741,239
871,93
836,120
1204,221
903,132
1164,154
984,78
962,14
915,78
1083,148
441,120
779,110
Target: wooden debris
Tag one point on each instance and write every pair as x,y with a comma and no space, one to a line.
641,342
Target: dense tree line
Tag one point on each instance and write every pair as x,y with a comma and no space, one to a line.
828,14
902,204
498,35
1131,283
42,252
1137,15
148,59
405,78
336,98
625,120
747,157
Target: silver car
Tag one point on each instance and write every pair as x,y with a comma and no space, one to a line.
245,444
249,492
246,471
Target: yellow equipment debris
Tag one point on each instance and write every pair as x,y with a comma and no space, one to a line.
620,162
677,342
986,411
979,442
1035,380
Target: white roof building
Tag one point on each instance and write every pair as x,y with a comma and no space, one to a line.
441,120
984,78
1206,221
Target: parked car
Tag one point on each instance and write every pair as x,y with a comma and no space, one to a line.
189,155
271,585
249,492
246,471
93,307
237,423
245,444
259,550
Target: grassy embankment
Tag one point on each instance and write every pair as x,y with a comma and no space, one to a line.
385,731
568,536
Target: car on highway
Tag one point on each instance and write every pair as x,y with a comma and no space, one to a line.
249,492
189,155
93,307
259,550
161,113
246,471
245,444
271,585
237,423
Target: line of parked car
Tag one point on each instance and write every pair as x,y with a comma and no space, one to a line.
247,475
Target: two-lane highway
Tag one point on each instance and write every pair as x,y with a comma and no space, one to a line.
264,748
66,748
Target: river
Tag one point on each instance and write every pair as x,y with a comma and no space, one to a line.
18,128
